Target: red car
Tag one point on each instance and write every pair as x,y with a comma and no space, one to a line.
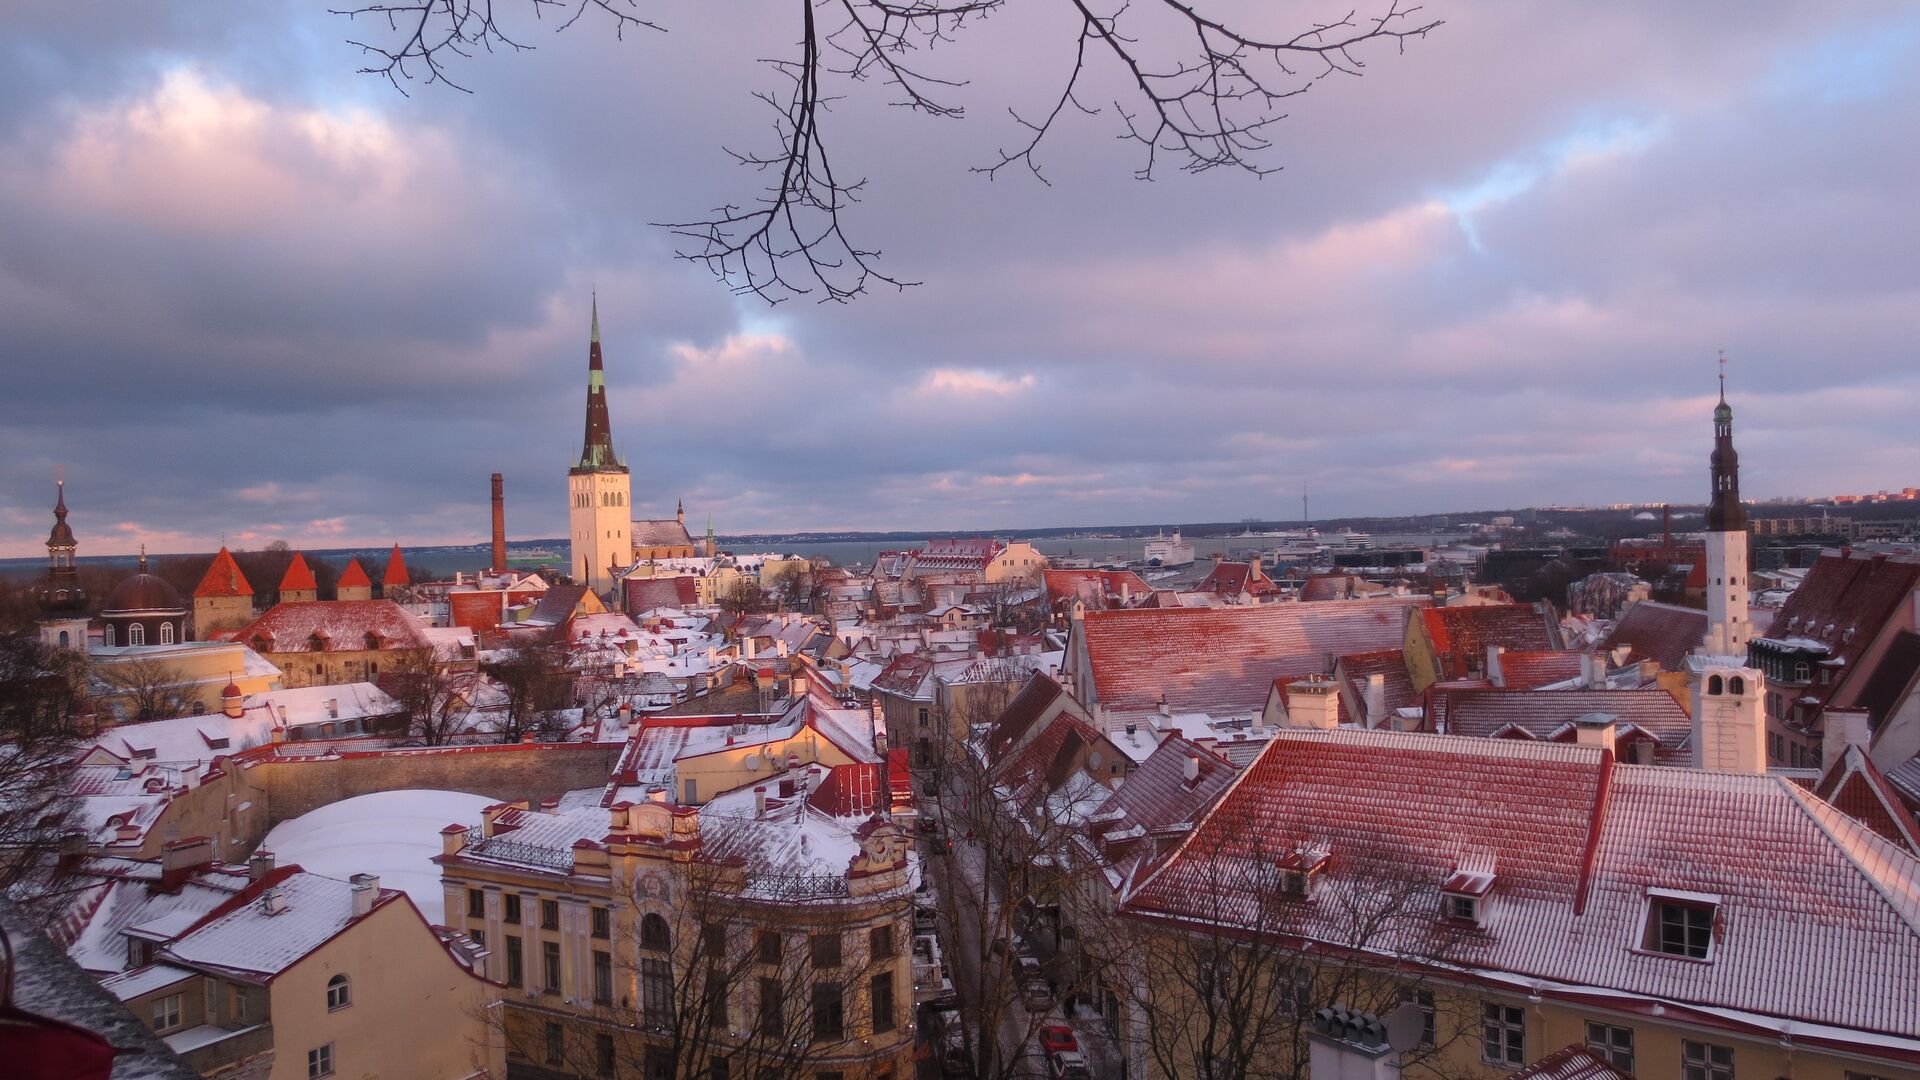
1058,1038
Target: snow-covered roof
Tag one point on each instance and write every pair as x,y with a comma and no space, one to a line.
246,937
145,980
391,834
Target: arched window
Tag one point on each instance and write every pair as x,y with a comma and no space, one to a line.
654,934
1713,684
137,634
109,638
63,639
166,633
339,993
1737,685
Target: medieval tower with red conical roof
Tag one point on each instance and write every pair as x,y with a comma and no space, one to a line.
224,598
599,510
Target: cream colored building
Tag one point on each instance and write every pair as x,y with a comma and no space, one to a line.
195,671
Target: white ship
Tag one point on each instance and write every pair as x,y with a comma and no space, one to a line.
1165,550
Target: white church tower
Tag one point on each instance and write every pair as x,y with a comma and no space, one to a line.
599,490
1729,697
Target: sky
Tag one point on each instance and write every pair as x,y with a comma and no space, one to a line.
248,294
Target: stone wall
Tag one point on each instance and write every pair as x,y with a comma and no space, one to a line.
512,771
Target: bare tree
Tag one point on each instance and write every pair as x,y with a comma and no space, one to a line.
534,676
1194,91
770,975
1228,991
42,728
145,688
437,702
745,597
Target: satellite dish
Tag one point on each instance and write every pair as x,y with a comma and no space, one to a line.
1406,1027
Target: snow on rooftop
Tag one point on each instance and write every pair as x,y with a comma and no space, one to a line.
249,938
394,834
144,980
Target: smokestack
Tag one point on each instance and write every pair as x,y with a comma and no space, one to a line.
499,524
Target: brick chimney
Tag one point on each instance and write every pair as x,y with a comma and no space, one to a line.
1376,700
499,524
366,889
260,865
1596,729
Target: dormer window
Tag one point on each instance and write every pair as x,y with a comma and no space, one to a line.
1681,923
1463,896
1463,908
1298,870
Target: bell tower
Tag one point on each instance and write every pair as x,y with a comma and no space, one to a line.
62,599
1728,628
599,512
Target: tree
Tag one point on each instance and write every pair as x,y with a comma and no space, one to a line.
437,702
1229,993
1012,854
744,597
534,676
1195,92
762,974
42,728
146,688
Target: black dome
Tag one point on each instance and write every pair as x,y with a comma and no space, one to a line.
143,592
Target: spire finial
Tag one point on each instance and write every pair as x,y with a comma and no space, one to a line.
143,558
596,315
1723,376
60,491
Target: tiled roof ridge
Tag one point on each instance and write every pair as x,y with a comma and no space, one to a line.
1855,762
223,578
1826,816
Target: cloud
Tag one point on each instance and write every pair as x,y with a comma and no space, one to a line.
973,383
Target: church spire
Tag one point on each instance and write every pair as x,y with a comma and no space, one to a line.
596,450
1724,510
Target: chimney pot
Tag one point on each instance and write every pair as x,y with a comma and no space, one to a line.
1192,768
260,865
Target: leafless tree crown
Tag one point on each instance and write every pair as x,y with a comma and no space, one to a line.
1196,92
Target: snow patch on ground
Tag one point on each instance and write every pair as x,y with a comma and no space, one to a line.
394,834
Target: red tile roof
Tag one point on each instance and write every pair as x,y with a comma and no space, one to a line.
1843,603
396,568
342,624
1549,714
1461,635
354,576
1093,587
1017,719
223,578
1818,916
647,594
299,575
1224,660
1236,579
1391,664
1328,587
1660,632
1527,670
1858,790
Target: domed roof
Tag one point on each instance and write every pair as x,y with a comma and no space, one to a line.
143,592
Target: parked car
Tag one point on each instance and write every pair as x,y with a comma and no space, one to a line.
1068,1065
1058,1038
1038,994
1029,968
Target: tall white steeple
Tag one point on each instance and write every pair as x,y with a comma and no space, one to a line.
1728,627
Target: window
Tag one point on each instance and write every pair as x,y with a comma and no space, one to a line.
766,944
516,973
136,634
339,993
713,939
880,941
883,1002
717,999
773,1021
513,908
653,933
1463,908
602,978
320,1061
825,949
692,793
550,966
603,1054
923,718
166,1012
602,923
1714,684
556,1044
1429,1016
476,904
166,633
718,1069
110,638
1680,928
1614,1045
1705,1061
1503,1034
656,991
236,1004
829,1018
549,914
479,937
659,1064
